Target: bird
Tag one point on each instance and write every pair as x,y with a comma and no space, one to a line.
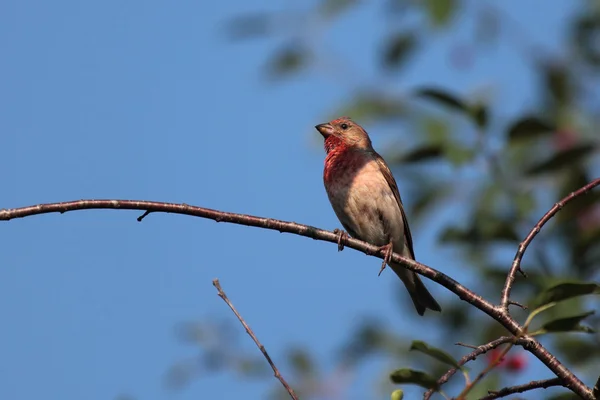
365,198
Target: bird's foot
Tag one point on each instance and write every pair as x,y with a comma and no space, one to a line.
342,237
389,250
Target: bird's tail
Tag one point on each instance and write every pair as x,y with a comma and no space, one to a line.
416,288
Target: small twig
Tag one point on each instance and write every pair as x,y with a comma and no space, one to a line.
541,384
484,348
495,362
222,295
470,346
514,303
144,215
516,265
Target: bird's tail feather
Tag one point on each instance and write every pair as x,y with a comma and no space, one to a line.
419,294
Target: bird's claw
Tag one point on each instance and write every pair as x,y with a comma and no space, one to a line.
389,250
342,237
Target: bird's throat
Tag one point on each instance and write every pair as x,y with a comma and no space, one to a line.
341,160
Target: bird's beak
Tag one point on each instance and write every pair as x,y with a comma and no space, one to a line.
325,129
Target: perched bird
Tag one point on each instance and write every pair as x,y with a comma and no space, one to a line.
365,198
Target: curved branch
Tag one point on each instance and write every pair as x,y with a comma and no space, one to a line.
266,223
497,313
541,384
516,265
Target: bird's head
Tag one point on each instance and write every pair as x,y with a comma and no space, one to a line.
344,132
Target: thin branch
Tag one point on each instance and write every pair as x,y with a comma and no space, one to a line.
486,370
272,224
479,350
541,384
253,336
516,265
498,313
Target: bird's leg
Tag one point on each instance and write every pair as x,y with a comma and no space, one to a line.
389,250
342,237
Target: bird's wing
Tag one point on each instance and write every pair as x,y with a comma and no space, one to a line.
385,170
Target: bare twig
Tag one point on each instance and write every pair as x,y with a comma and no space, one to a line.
495,362
479,350
541,384
253,336
516,265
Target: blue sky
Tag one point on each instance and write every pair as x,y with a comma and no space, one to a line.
148,100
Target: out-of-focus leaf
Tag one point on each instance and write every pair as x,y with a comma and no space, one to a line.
424,153
443,98
567,324
428,197
565,396
301,362
454,234
528,127
251,367
288,60
397,394
397,49
524,203
458,154
333,8
568,157
368,338
250,26
369,106
434,352
585,38
479,115
407,375
577,351
558,83
499,230
440,12
566,290
436,129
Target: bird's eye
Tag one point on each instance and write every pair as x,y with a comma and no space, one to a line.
344,126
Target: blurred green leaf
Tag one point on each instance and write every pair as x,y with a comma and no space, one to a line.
424,153
458,154
502,230
397,49
528,127
479,115
566,290
567,324
249,26
333,8
288,60
440,12
301,362
558,82
407,375
455,234
562,159
565,396
525,203
585,37
369,106
434,352
443,98
397,394
577,349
